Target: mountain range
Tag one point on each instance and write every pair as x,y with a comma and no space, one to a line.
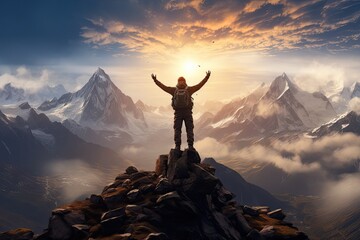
280,107
10,94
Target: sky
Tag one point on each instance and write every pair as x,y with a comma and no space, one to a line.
243,43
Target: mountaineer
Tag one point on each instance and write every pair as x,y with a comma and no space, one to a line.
182,104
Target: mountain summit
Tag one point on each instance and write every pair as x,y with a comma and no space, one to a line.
99,103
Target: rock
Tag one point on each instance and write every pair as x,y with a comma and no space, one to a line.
224,195
200,182
17,234
126,183
254,235
96,199
250,211
24,105
114,199
262,209
74,217
133,195
131,170
42,236
133,210
241,223
118,212
138,175
174,155
147,188
58,229
277,214
167,196
122,236
161,165
60,211
157,236
80,231
123,176
163,186
208,168
268,231
153,216
192,156
112,225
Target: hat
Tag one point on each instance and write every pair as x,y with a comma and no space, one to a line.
181,79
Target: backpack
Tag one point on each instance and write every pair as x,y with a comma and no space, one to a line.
181,99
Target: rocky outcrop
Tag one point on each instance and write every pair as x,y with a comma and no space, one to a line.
182,199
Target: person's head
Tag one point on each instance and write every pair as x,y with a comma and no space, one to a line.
181,82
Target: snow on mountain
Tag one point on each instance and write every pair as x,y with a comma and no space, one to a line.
10,94
340,101
355,90
348,122
282,106
98,104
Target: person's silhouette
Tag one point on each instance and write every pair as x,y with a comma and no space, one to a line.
182,104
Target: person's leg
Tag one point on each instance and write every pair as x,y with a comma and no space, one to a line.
178,119
189,124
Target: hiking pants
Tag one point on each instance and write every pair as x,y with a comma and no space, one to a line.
186,116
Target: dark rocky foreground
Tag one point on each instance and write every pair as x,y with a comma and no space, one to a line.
181,200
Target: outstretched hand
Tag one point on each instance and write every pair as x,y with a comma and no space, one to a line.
153,77
208,74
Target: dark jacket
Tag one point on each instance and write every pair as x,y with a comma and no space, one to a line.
191,89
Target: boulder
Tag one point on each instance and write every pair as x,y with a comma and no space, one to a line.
268,231
157,236
131,170
250,211
163,186
133,195
192,156
112,225
58,229
17,234
96,199
74,217
167,196
277,214
118,212
161,165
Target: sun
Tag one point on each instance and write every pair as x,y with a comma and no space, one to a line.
189,67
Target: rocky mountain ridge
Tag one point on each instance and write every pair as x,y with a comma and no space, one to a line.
181,199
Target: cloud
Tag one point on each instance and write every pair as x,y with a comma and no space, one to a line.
335,154
168,26
319,77
76,178
354,105
342,193
266,110
24,78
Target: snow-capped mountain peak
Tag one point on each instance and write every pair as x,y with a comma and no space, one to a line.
98,104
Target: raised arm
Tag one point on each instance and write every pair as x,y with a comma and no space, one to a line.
197,87
170,90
